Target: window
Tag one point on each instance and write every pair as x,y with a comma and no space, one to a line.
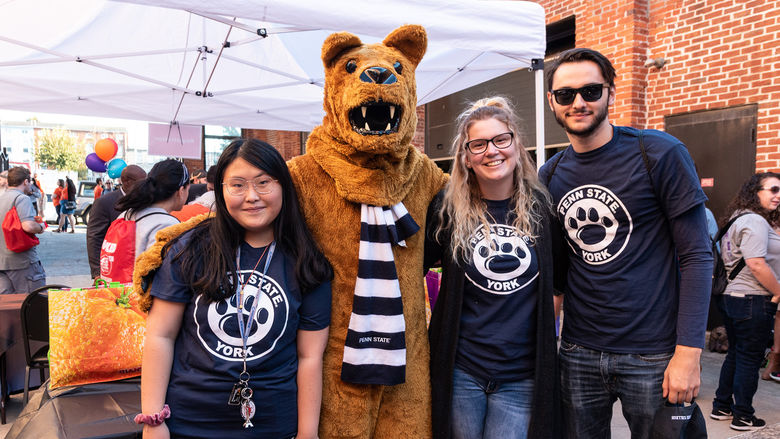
215,139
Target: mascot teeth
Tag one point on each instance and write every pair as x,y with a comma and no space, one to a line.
375,118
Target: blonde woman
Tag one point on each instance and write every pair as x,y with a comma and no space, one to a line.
492,333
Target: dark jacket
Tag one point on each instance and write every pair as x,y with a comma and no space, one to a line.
445,327
196,190
101,215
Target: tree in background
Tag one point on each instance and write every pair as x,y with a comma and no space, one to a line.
58,149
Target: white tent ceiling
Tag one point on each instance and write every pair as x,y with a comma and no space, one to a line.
152,59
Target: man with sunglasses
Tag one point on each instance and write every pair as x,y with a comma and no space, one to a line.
634,261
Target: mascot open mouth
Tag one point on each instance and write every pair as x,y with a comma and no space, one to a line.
375,118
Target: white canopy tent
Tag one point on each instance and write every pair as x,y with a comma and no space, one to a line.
247,63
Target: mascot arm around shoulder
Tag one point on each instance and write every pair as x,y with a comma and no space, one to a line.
364,190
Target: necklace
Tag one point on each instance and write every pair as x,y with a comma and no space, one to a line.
242,394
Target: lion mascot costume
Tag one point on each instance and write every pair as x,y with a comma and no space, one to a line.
364,190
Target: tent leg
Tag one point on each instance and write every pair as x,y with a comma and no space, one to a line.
537,65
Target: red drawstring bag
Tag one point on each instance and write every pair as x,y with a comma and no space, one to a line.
16,239
117,254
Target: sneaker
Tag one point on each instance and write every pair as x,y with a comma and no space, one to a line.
775,376
721,414
747,424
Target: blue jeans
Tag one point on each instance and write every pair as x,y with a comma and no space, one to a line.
749,322
490,409
591,382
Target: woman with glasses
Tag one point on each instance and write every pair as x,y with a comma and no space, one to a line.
752,246
492,332
240,313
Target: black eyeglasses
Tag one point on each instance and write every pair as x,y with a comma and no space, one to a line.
501,141
773,189
590,93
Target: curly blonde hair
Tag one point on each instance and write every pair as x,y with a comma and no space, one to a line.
463,204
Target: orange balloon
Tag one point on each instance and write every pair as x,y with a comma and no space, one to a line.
106,149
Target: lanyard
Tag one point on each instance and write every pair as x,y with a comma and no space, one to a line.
244,329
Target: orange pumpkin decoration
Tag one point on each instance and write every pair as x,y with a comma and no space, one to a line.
95,335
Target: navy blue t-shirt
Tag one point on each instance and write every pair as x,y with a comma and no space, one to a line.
622,287
207,357
497,338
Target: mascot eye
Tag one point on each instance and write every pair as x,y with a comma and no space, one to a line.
351,66
398,67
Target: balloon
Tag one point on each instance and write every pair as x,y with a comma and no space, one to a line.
115,167
106,149
95,163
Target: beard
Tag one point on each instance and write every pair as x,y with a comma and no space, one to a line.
599,115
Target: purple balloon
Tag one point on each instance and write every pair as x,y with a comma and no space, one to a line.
95,163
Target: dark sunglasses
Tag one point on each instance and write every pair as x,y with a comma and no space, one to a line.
590,93
773,189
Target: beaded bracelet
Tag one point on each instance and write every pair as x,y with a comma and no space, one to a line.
154,419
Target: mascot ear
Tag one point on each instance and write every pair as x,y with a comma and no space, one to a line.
411,40
337,43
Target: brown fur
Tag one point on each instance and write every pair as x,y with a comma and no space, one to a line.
151,259
342,169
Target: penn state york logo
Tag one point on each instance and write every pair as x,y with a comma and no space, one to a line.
501,260
598,225
217,323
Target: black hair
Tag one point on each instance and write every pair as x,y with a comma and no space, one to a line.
211,175
165,178
208,261
580,54
71,189
747,199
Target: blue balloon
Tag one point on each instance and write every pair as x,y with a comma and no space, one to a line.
95,163
115,167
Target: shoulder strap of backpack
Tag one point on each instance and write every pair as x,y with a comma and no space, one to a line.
153,213
645,159
555,165
741,263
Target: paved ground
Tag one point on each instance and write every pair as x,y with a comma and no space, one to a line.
64,258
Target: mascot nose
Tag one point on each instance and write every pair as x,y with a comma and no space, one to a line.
377,75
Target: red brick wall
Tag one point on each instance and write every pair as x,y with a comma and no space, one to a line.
720,53
193,164
288,143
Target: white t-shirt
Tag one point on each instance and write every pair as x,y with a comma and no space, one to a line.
750,236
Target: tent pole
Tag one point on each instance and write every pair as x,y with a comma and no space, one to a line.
537,66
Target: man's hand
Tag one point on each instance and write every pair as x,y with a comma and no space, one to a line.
682,376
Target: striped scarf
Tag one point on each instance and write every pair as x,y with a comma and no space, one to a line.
375,349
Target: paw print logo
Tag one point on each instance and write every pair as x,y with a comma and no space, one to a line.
598,225
217,322
502,257
592,225
501,261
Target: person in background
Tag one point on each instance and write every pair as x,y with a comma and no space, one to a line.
199,186
98,188
152,199
202,204
750,300
3,181
37,196
108,186
56,199
20,272
67,207
103,212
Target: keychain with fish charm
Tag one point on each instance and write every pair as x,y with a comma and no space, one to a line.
247,407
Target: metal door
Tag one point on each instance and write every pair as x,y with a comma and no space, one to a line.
723,146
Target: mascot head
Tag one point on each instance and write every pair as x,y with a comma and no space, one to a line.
370,92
